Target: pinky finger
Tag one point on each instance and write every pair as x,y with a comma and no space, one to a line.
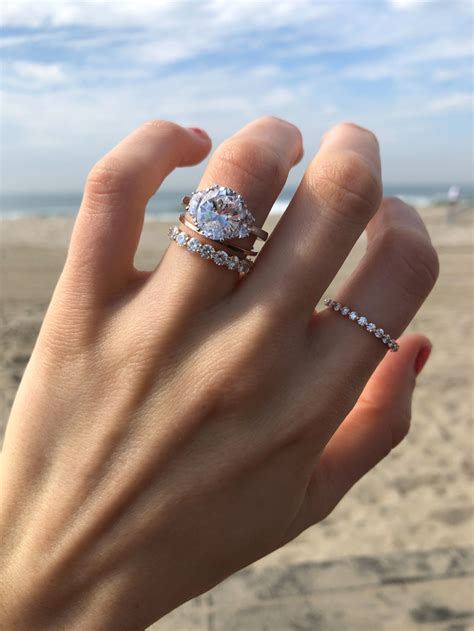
378,422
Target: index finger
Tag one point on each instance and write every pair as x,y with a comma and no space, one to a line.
118,187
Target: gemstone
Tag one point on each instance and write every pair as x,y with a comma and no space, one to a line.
244,266
345,310
386,339
220,257
182,238
379,333
362,321
207,251
327,302
233,262
353,315
337,306
220,213
193,245
193,203
371,327
173,232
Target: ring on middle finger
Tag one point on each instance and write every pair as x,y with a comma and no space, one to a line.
220,213
231,249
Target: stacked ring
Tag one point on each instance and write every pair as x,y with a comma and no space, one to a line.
220,213
216,215
207,251
233,249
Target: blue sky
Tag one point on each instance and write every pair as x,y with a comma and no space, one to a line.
78,76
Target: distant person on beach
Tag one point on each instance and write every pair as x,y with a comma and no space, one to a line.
176,424
454,194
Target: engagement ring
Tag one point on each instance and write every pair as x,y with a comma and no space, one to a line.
220,214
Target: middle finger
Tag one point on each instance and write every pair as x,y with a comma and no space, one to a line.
255,162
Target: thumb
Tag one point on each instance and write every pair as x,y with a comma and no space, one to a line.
377,423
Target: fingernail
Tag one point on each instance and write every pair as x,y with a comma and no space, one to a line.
199,132
422,358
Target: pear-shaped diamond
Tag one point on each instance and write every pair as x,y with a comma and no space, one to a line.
220,213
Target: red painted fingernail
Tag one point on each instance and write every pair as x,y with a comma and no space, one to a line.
422,358
199,131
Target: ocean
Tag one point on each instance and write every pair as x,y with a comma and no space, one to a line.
166,203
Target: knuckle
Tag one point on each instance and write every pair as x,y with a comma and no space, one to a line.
413,261
161,124
347,185
349,125
254,162
392,204
269,118
162,127
107,181
114,179
277,121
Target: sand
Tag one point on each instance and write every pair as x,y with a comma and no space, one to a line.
420,497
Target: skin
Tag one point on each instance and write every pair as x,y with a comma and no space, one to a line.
175,425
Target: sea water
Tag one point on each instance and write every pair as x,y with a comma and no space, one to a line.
166,204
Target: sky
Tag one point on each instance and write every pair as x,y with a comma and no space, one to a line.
76,77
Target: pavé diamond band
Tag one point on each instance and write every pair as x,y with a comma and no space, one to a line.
220,213
362,321
207,251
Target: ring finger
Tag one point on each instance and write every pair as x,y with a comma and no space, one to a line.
339,193
388,286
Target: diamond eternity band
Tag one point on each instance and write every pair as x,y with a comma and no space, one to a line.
362,321
207,251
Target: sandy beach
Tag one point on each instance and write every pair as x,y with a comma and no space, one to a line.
420,497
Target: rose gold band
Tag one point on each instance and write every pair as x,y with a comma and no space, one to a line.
258,232
232,249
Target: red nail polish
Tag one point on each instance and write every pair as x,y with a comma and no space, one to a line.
422,358
199,131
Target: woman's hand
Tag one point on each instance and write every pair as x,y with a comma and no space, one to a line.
173,426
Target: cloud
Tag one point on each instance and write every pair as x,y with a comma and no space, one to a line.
410,60
444,48
45,74
96,13
84,74
458,101
148,13
405,4
30,76
452,73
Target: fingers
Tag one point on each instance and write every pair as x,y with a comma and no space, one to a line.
378,422
388,286
255,162
117,190
338,195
